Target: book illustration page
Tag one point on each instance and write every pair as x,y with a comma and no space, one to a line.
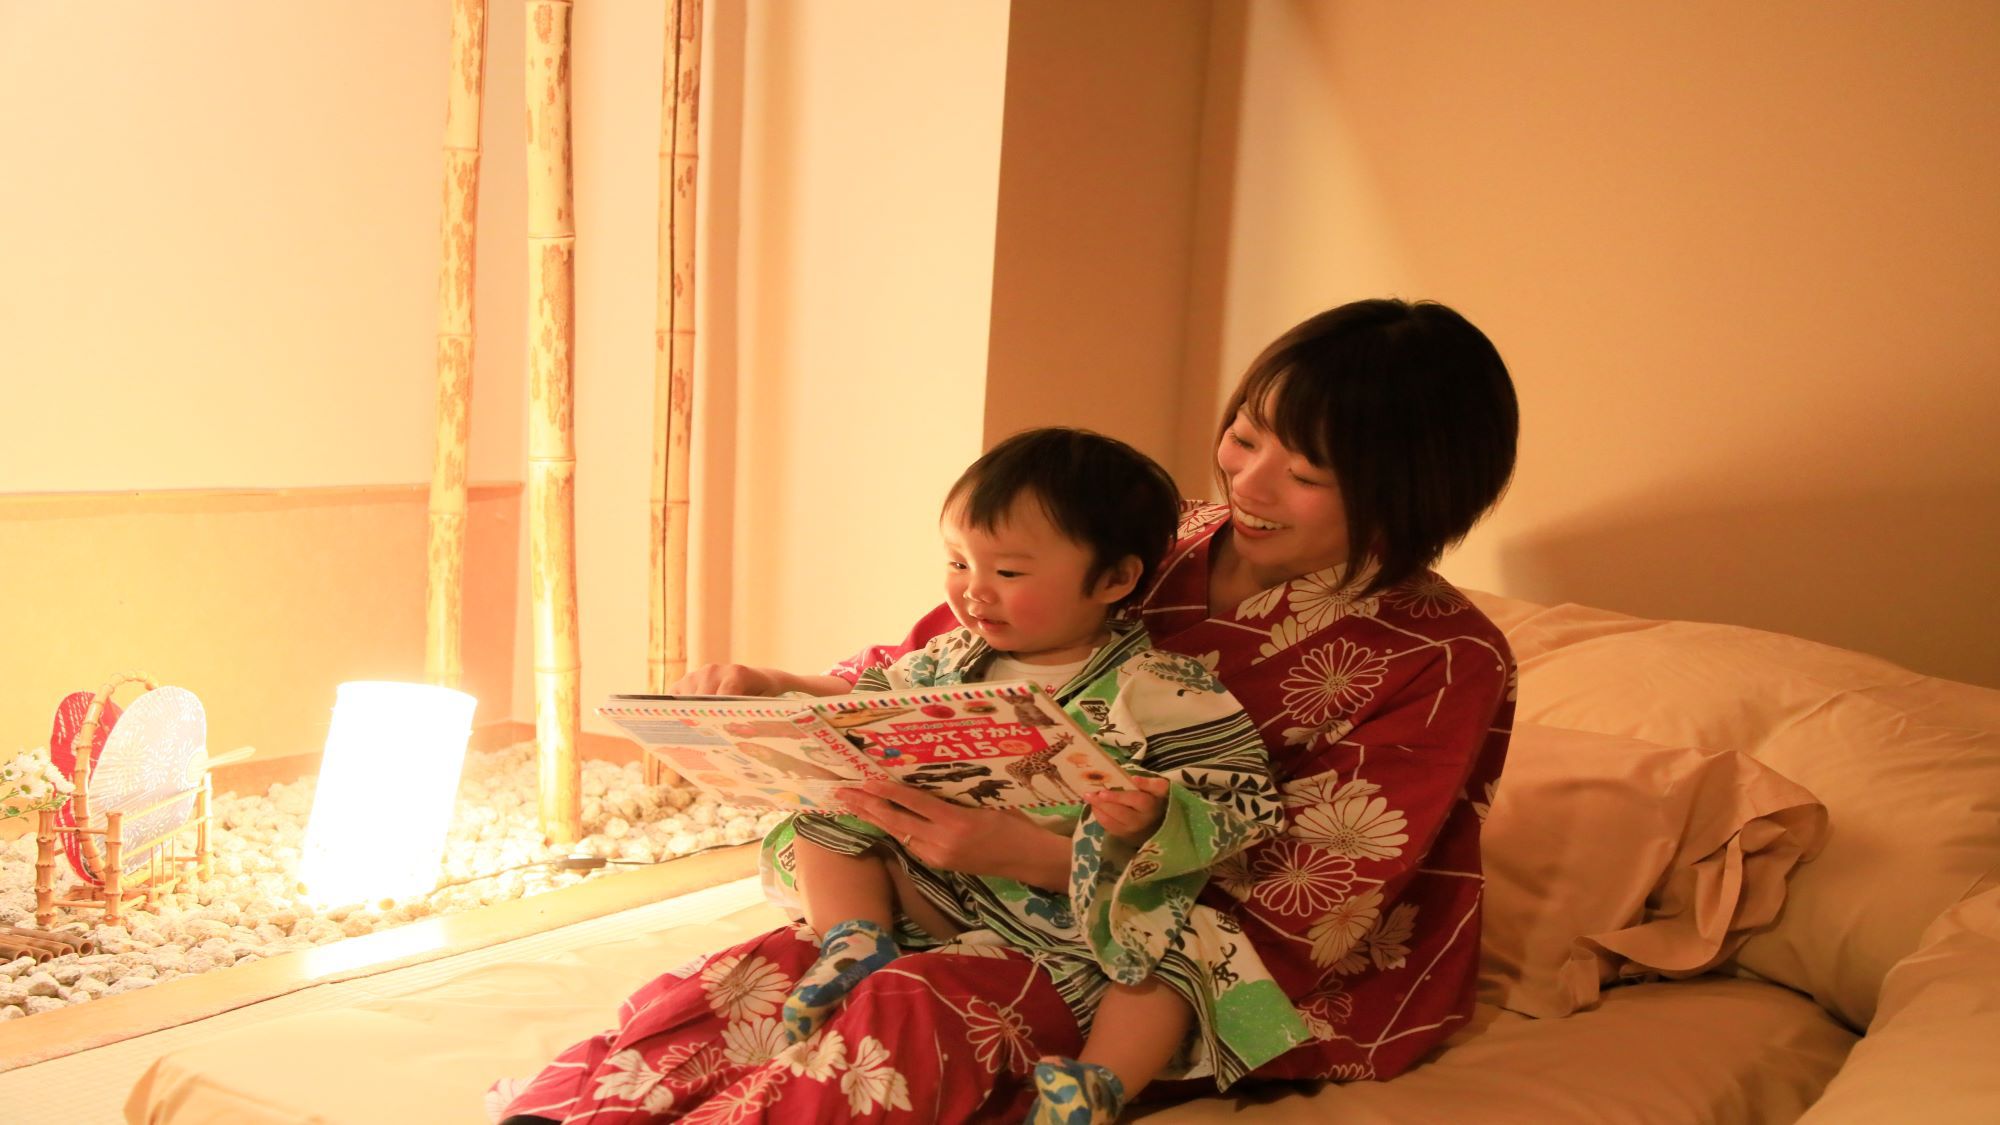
982,746
761,757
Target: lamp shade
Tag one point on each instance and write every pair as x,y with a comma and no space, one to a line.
386,788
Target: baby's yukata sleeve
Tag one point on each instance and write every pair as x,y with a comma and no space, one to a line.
850,835
1134,903
929,627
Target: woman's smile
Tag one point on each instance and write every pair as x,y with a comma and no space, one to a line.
1255,525
1286,515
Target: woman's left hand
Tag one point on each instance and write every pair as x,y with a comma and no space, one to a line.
999,842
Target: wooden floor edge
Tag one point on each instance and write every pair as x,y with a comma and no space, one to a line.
189,999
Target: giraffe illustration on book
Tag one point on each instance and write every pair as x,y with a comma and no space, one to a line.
1041,764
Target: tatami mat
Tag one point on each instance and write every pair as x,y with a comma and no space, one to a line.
90,1086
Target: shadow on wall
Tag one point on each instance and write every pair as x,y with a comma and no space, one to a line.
1906,576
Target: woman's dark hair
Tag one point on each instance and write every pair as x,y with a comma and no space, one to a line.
1411,410
1098,492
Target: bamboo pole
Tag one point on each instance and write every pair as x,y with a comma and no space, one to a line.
673,344
444,587
673,356
551,423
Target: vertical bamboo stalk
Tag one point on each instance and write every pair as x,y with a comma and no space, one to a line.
114,866
673,356
551,423
45,868
673,344
203,865
444,587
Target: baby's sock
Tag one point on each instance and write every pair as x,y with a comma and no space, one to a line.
851,950
1073,1092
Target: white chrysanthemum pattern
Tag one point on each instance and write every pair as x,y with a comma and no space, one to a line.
1335,679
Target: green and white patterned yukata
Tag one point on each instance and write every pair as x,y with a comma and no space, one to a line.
1130,912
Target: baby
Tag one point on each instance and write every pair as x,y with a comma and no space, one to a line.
1047,538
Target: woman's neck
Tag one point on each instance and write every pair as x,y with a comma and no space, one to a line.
1230,580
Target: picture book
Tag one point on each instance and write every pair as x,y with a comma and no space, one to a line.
993,745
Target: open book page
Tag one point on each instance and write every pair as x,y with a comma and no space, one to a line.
1004,745
999,745
758,751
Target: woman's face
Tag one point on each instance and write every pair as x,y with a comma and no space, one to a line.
1286,517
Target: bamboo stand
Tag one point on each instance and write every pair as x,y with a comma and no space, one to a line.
166,865
673,357
551,424
444,587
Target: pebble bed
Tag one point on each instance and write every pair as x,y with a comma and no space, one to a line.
251,908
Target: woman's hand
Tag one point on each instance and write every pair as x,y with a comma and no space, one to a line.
1001,842
1131,815
742,679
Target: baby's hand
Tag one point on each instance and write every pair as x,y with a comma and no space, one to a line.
1132,815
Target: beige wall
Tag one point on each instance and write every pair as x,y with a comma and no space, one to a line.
217,328
1098,175
221,243
870,171
260,602
1738,257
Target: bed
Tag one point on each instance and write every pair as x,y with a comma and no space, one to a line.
1734,876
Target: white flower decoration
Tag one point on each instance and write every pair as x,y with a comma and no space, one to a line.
1427,595
818,1058
753,1042
1482,809
1333,680
870,1080
999,1036
739,989
626,1078
1319,602
1356,827
1329,732
1257,605
1296,878
1284,635
741,1100
1389,942
1335,934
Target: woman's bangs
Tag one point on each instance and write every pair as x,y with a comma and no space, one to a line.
1299,412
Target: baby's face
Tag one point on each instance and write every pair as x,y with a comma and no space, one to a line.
1020,586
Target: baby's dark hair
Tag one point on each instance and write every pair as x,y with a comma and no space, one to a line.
1098,492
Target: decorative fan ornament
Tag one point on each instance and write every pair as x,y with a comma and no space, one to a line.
70,716
158,747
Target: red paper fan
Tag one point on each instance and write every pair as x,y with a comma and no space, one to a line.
70,714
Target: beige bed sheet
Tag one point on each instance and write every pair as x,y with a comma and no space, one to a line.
1710,1050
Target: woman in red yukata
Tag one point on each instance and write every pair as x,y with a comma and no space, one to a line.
1357,447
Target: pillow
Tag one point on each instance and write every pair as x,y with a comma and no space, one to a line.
1935,1031
1610,858
1907,765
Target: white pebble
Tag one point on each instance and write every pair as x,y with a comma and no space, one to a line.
252,907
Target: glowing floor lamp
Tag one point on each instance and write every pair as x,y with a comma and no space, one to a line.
386,785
